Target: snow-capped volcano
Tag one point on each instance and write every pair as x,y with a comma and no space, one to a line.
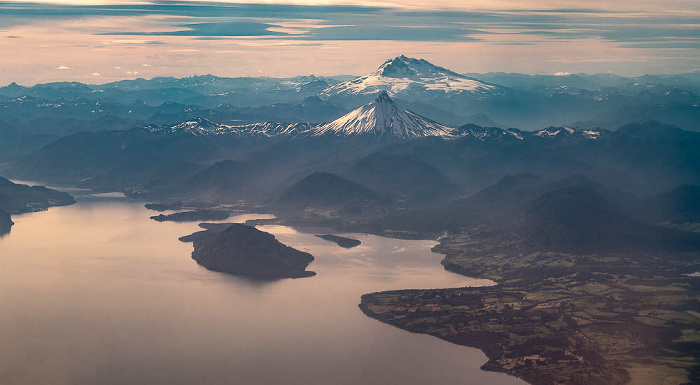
380,119
403,74
383,118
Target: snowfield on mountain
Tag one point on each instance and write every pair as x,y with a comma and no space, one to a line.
403,75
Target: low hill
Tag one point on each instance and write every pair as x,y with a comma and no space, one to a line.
403,178
322,189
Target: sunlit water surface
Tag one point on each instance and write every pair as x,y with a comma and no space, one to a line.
97,293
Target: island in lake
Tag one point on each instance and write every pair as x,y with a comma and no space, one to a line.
192,216
347,243
239,249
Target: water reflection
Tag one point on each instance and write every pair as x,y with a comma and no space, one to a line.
97,293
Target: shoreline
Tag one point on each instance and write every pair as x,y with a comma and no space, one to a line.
632,325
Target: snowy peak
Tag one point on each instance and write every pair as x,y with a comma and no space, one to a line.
402,74
380,119
396,68
383,101
205,127
406,67
197,127
568,132
383,118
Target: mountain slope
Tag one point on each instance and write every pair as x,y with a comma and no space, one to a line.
679,205
579,220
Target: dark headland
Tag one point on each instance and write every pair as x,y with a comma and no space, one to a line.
192,216
5,222
244,250
19,198
347,243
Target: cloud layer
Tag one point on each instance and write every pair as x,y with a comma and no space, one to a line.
182,38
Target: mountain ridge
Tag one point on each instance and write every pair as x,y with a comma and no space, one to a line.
381,118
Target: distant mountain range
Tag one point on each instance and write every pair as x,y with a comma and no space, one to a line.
34,116
380,119
254,162
398,132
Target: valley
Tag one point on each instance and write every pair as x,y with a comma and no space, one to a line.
587,230
349,192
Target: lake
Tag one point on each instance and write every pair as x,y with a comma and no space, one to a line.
97,293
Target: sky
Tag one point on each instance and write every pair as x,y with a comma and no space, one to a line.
98,41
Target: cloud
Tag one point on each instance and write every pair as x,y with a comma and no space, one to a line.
63,68
599,60
217,28
185,37
96,74
560,73
230,51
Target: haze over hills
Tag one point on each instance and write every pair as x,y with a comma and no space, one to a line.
407,160
647,157
402,178
322,189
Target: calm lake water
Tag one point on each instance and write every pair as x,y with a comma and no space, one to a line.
97,293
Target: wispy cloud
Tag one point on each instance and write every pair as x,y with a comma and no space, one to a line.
480,35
